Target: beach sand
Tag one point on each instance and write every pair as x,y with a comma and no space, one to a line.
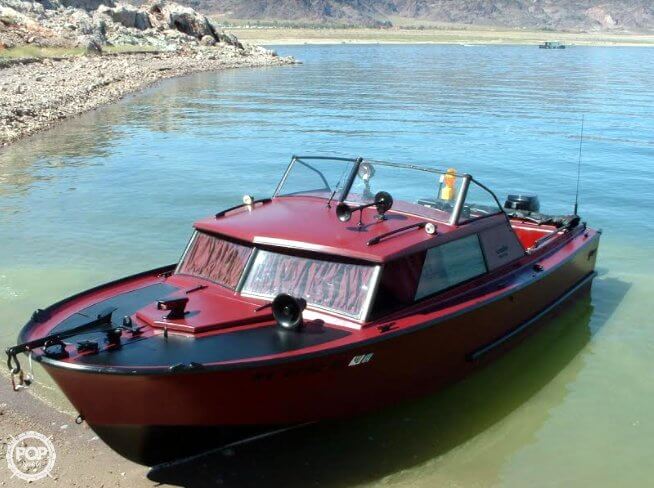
82,459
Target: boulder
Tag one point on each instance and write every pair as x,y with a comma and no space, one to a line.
82,22
11,17
208,41
231,39
128,16
92,46
30,8
178,17
177,37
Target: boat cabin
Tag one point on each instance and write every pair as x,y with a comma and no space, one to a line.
358,240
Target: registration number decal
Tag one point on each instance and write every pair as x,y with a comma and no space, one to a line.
361,359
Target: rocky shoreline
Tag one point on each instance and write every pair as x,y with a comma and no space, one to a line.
35,95
126,49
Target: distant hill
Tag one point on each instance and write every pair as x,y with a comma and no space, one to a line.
561,15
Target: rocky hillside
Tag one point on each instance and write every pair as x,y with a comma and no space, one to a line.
97,23
566,15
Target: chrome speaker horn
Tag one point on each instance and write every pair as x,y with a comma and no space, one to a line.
343,212
383,202
287,311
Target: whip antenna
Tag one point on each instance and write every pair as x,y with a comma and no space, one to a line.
581,142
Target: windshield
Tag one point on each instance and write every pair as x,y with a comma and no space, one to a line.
421,191
319,177
416,191
331,285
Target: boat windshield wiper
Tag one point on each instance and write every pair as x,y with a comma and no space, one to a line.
417,225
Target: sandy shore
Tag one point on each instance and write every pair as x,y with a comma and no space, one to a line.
82,458
37,93
279,36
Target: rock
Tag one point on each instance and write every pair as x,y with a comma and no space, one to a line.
266,52
69,23
100,27
128,16
82,22
86,4
178,17
230,39
208,41
92,46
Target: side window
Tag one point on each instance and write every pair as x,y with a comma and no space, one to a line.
214,259
450,264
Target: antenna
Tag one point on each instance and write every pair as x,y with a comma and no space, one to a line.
581,142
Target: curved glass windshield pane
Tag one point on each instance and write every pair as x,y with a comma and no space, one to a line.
331,285
427,194
317,177
479,203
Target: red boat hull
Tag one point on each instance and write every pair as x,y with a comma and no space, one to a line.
133,411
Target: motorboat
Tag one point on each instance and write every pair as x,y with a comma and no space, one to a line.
357,284
551,45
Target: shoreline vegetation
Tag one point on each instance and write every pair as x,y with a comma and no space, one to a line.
290,35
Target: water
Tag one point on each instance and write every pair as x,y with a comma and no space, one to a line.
115,191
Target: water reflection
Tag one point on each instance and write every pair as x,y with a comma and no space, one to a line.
385,445
42,157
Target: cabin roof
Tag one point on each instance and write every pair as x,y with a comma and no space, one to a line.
306,223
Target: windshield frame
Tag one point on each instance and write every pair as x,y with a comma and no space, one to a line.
455,217
305,160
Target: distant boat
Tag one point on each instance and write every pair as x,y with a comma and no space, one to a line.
552,45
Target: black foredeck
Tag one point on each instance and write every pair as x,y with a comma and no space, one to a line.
181,350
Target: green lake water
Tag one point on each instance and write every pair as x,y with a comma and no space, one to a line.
115,192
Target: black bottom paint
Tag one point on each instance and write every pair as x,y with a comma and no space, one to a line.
152,445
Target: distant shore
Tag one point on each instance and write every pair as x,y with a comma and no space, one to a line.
477,36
